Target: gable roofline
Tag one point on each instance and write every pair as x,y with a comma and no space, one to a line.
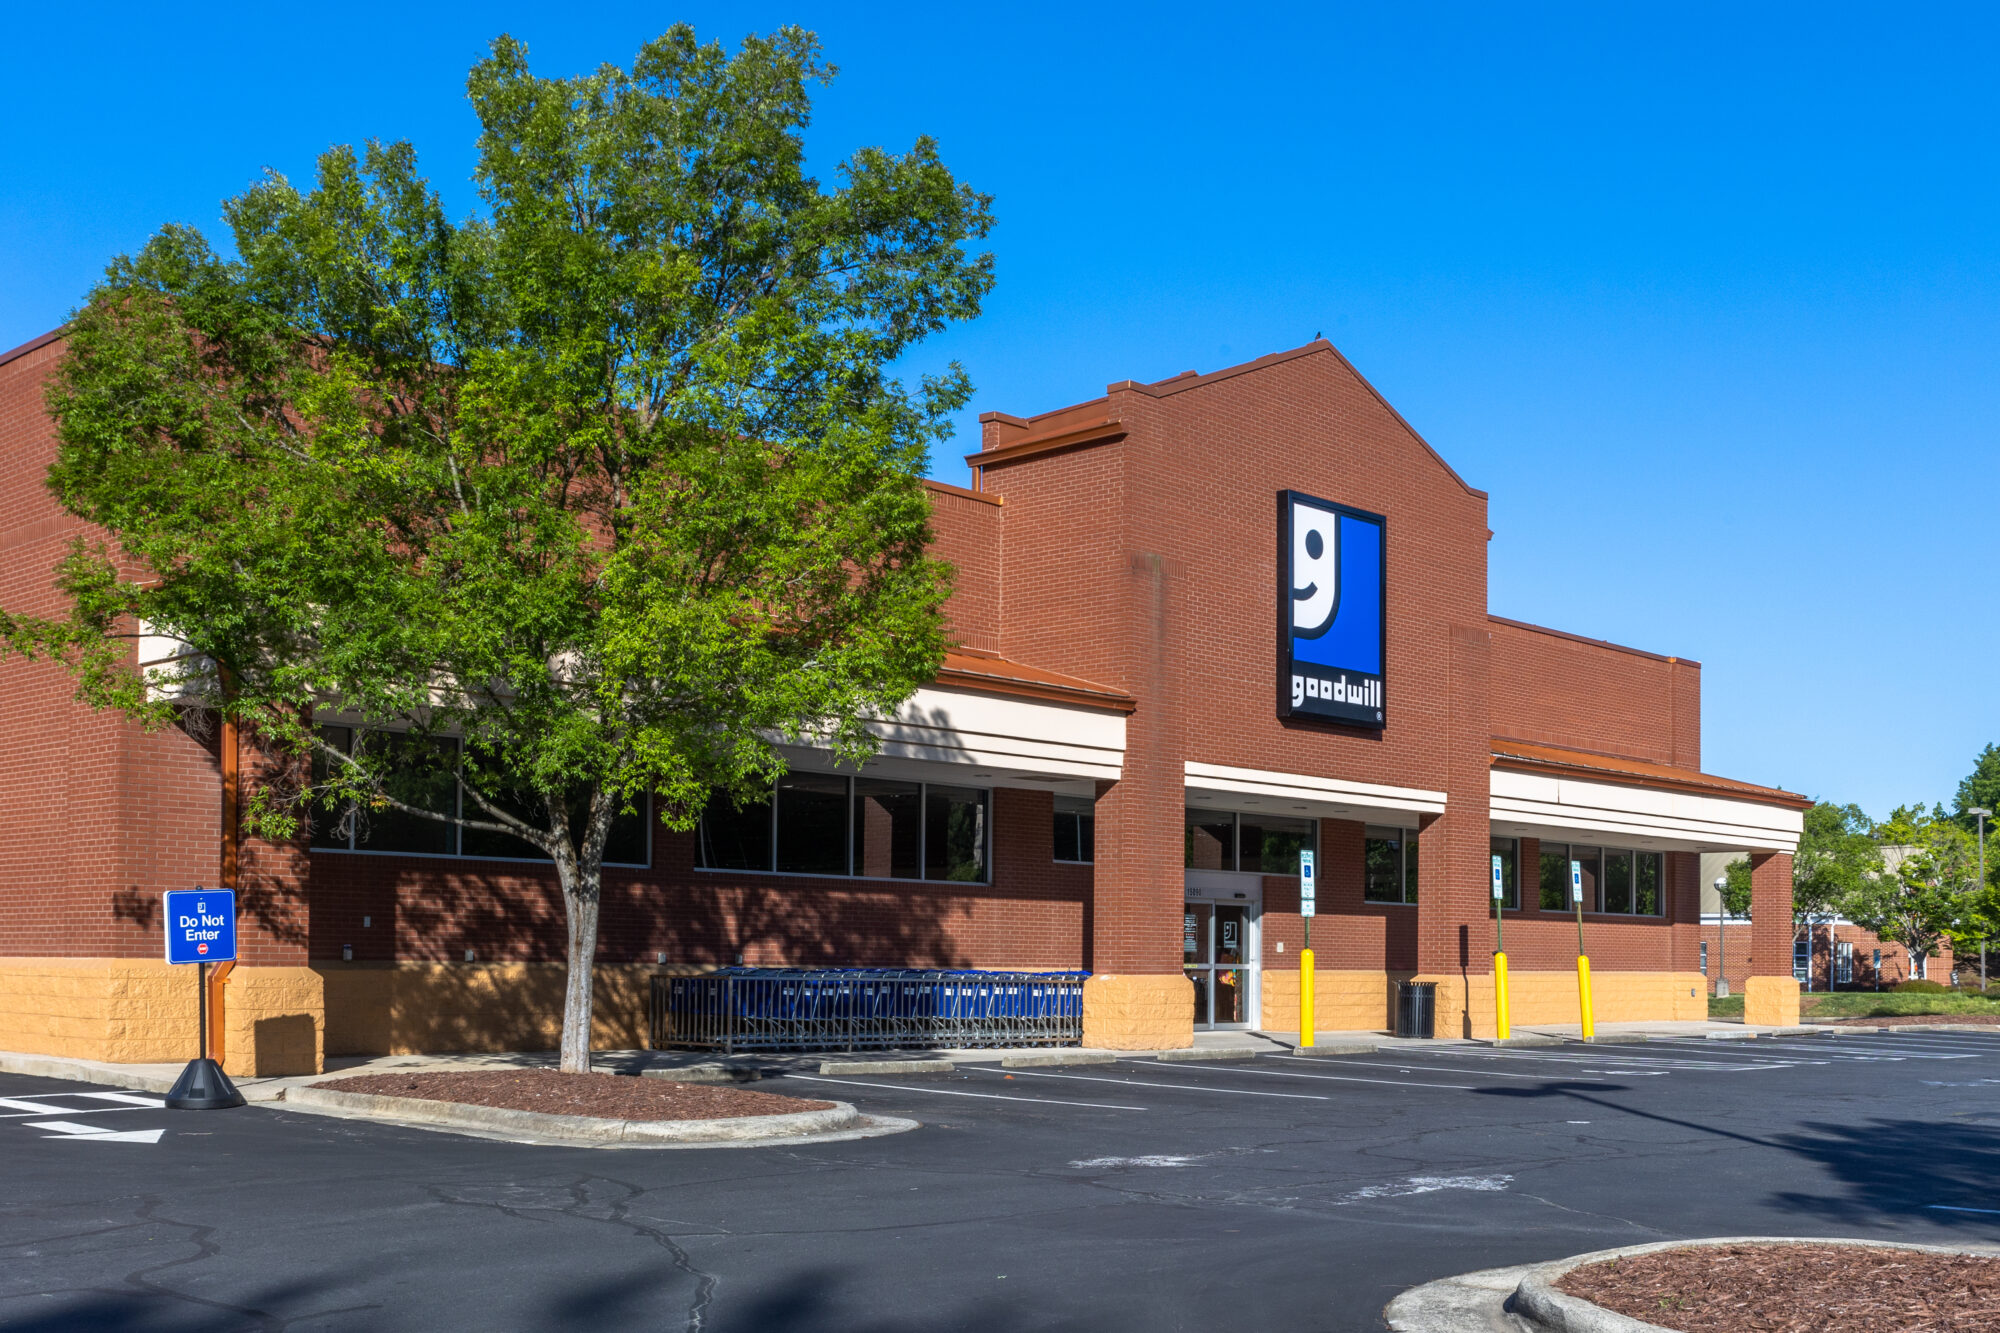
32,345
1182,383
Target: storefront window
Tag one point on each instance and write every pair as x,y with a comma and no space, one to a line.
1509,852
1076,828
821,824
1390,868
1211,840
955,833
812,824
888,829
734,837
1555,877
1615,881
1272,843
1262,844
1618,882
423,772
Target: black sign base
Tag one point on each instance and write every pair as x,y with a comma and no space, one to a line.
203,1086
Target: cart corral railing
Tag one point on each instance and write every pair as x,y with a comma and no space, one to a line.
835,1009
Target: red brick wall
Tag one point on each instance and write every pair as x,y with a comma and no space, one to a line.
1554,688
1146,564
1149,564
966,531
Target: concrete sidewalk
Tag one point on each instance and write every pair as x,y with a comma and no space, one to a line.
712,1066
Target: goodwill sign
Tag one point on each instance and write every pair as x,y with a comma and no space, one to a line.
1331,630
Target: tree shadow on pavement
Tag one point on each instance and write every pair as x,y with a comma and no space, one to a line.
1947,1171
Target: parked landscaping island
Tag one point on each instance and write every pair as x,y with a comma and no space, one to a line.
1796,1289
608,1096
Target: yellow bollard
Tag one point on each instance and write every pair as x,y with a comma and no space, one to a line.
1500,1024
1305,997
1583,995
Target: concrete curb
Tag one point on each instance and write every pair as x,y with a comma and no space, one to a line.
1333,1050
594,1129
1730,1036
706,1074
828,1068
1531,1039
81,1071
1190,1054
1056,1058
1510,1298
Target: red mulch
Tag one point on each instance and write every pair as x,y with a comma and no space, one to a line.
1797,1289
1904,1020
613,1096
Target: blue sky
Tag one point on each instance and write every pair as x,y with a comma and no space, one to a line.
1705,296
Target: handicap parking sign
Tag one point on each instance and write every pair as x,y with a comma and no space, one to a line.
201,926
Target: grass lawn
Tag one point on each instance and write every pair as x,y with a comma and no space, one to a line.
1869,1004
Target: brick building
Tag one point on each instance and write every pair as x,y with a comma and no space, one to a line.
1151,710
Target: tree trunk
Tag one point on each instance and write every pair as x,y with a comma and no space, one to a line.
580,903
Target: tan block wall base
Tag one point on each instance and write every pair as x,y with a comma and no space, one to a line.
1342,1001
142,1011
1138,1013
415,1008
1771,1002
1465,1005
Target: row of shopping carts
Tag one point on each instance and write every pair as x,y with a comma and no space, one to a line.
857,1008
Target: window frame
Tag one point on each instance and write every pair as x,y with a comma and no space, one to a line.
1595,904
923,838
1510,878
457,830
1236,841
1408,875
1080,816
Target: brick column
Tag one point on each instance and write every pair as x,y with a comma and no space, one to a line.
1138,998
1770,996
1454,919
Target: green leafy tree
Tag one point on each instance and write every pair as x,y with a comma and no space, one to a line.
1838,854
1928,891
1736,887
1979,788
598,493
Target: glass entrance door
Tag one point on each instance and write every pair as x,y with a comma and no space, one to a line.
1215,943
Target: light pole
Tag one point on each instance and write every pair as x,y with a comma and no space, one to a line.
1722,932
1982,814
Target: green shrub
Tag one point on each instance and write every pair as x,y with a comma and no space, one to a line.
1920,988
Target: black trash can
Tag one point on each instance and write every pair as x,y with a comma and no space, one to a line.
1416,1009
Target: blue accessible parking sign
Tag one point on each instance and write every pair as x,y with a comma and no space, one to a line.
201,926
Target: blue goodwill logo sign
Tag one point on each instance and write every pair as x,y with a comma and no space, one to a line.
1331,630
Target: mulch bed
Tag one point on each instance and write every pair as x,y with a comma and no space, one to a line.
613,1096
1797,1289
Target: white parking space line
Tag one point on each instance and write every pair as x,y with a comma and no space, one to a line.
948,1092
1176,1087
32,1108
1582,1061
1893,1053
1331,1078
129,1098
23,1115
1417,1066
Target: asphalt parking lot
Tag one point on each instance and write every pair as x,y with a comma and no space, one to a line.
1289,1192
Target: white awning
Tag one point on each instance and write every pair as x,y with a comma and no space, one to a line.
1567,809
1224,787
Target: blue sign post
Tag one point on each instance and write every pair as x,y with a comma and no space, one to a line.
201,929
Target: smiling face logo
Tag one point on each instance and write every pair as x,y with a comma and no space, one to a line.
1315,569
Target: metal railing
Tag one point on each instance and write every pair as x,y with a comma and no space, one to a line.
833,1009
